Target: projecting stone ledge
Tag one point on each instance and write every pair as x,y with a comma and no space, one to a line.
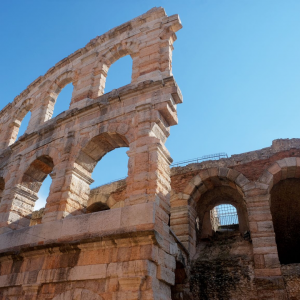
97,225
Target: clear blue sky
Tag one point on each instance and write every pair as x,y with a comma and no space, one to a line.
236,62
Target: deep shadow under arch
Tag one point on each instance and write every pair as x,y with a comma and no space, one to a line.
285,209
2,187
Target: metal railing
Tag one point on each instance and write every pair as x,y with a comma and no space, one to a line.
215,156
226,214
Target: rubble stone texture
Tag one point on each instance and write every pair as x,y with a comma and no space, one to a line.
148,236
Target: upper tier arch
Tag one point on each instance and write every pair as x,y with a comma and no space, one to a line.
87,67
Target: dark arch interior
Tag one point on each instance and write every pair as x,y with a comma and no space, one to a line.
180,273
98,206
285,209
2,186
212,198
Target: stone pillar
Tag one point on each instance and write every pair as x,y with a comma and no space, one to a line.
268,276
9,133
90,82
98,81
183,221
39,115
155,55
149,164
17,207
149,181
69,193
17,201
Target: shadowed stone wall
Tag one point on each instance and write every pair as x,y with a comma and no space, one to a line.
263,186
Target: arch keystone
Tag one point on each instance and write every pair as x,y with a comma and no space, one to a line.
223,172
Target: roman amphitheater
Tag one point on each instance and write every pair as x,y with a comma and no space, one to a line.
157,234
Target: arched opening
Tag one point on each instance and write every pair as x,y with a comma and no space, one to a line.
23,125
109,185
59,95
63,100
32,181
119,74
222,237
2,186
20,122
111,163
221,209
285,209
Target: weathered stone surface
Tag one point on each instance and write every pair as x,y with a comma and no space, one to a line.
113,243
151,235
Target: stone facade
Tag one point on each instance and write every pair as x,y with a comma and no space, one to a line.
148,236
263,186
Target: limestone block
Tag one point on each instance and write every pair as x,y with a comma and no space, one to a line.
138,214
232,175
75,227
197,180
265,226
259,261
166,275
266,178
105,220
241,180
271,260
267,272
265,250
130,284
263,242
223,172
88,272
48,231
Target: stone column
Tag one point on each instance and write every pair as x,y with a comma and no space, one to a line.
268,276
154,59
39,115
183,221
148,167
90,82
17,201
16,207
9,133
149,181
69,194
